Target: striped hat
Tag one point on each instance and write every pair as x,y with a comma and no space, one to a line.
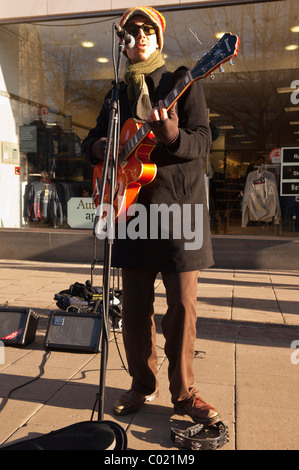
153,15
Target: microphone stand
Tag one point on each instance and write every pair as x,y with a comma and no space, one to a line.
108,177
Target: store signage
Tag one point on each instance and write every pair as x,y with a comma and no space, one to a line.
275,155
81,212
28,139
9,153
289,182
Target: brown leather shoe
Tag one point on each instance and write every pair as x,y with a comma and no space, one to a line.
132,400
199,410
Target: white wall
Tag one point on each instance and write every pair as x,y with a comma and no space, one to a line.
37,8
10,189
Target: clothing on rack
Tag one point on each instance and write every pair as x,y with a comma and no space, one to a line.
57,151
41,202
43,158
261,199
47,201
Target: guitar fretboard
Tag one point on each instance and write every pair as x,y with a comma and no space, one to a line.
180,87
134,141
142,132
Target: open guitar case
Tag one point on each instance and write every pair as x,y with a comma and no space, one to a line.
100,434
87,435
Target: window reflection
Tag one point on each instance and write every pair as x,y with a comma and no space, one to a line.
51,90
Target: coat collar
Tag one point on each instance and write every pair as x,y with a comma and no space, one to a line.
155,77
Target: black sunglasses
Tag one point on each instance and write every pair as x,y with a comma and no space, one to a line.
148,29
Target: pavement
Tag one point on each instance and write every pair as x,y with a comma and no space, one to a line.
245,363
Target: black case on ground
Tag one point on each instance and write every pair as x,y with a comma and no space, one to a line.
87,435
18,326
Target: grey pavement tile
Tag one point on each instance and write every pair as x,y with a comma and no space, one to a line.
262,427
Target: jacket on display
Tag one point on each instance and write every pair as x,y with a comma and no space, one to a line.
261,199
179,179
41,202
48,201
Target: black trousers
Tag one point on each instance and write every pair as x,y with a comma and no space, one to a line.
178,326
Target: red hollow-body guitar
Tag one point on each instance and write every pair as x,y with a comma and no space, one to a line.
135,168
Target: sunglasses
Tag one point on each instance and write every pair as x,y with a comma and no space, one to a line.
148,29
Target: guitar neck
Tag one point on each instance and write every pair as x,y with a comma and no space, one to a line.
178,90
226,48
135,140
143,131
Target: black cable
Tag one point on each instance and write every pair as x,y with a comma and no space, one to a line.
42,371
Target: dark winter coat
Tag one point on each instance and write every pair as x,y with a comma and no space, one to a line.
179,180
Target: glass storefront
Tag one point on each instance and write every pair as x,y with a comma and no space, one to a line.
55,74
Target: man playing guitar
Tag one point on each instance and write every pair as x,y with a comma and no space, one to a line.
181,145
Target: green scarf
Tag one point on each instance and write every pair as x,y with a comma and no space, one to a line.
138,93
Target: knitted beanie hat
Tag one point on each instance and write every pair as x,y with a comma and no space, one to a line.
153,15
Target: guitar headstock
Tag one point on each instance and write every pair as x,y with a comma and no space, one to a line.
224,50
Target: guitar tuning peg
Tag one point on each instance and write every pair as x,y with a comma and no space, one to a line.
231,62
212,76
221,69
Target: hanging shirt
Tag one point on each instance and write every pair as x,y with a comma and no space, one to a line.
261,200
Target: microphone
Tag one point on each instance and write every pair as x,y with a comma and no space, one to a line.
123,34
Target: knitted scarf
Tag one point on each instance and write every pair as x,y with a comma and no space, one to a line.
138,93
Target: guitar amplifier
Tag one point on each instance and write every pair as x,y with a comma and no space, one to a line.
70,331
17,326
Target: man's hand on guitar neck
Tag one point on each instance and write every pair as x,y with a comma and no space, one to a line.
165,125
98,149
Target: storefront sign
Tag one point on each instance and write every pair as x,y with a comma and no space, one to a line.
81,212
32,10
289,185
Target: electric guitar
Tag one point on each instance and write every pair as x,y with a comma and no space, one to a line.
135,168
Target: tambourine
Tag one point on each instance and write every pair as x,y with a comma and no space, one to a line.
197,437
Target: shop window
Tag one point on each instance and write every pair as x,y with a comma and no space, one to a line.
53,79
